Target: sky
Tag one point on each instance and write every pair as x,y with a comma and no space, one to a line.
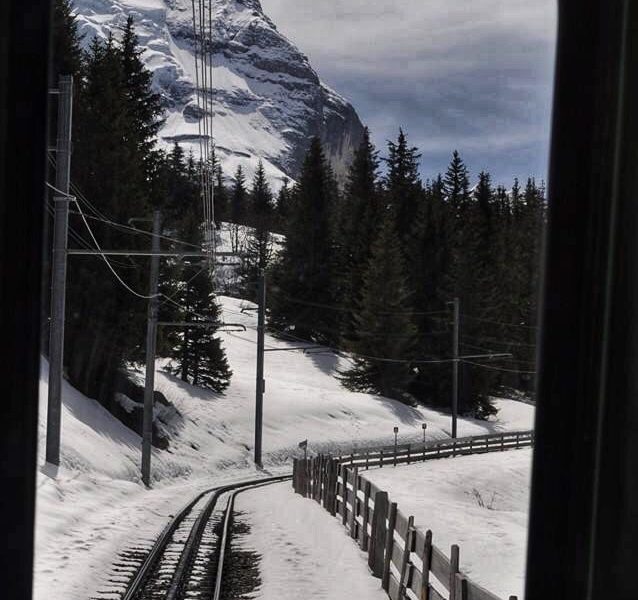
470,75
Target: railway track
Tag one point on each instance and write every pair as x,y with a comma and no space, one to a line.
187,560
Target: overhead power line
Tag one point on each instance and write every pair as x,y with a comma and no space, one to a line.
342,308
499,342
492,368
480,319
108,264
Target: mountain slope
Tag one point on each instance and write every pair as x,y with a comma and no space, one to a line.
268,100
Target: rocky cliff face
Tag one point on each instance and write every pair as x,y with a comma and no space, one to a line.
268,101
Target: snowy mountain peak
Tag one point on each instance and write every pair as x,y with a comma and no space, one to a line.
268,100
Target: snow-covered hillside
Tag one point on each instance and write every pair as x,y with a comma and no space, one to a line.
94,506
268,101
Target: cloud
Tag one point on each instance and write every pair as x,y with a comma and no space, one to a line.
475,75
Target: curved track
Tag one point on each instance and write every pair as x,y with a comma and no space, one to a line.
187,560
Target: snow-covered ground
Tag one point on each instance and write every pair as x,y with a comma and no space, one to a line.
479,502
94,506
300,543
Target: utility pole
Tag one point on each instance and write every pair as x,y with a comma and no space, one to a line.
58,276
151,341
260,383
455,365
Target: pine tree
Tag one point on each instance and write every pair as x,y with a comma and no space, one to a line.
403,185
220,193
238,207
303,279
197,355
429,261
259,238
66,55
359,219
117,168
386,337
143,104
284,200
456,182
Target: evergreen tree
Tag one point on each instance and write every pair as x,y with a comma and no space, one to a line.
361,213
456,182
221,195
198,356
238,206
116,167
66,55
386,337
403,185
259,239
303,279
143,104
284,199
429,261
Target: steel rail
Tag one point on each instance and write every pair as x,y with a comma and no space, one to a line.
194,538
225,534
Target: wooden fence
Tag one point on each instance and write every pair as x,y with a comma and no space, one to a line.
400,553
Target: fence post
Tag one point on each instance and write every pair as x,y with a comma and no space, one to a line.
311,477
319,461
300,476
365,517
334,487
344,495
518,436
375,555
426,557
409,446
405,559
367,458
454,569
294,474
324,478
462,592
471,443
355,501
389,544
381,465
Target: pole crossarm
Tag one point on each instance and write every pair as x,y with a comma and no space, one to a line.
172,254
304,348
200,324
493,355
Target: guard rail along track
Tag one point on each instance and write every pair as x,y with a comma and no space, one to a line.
187,559
400,553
